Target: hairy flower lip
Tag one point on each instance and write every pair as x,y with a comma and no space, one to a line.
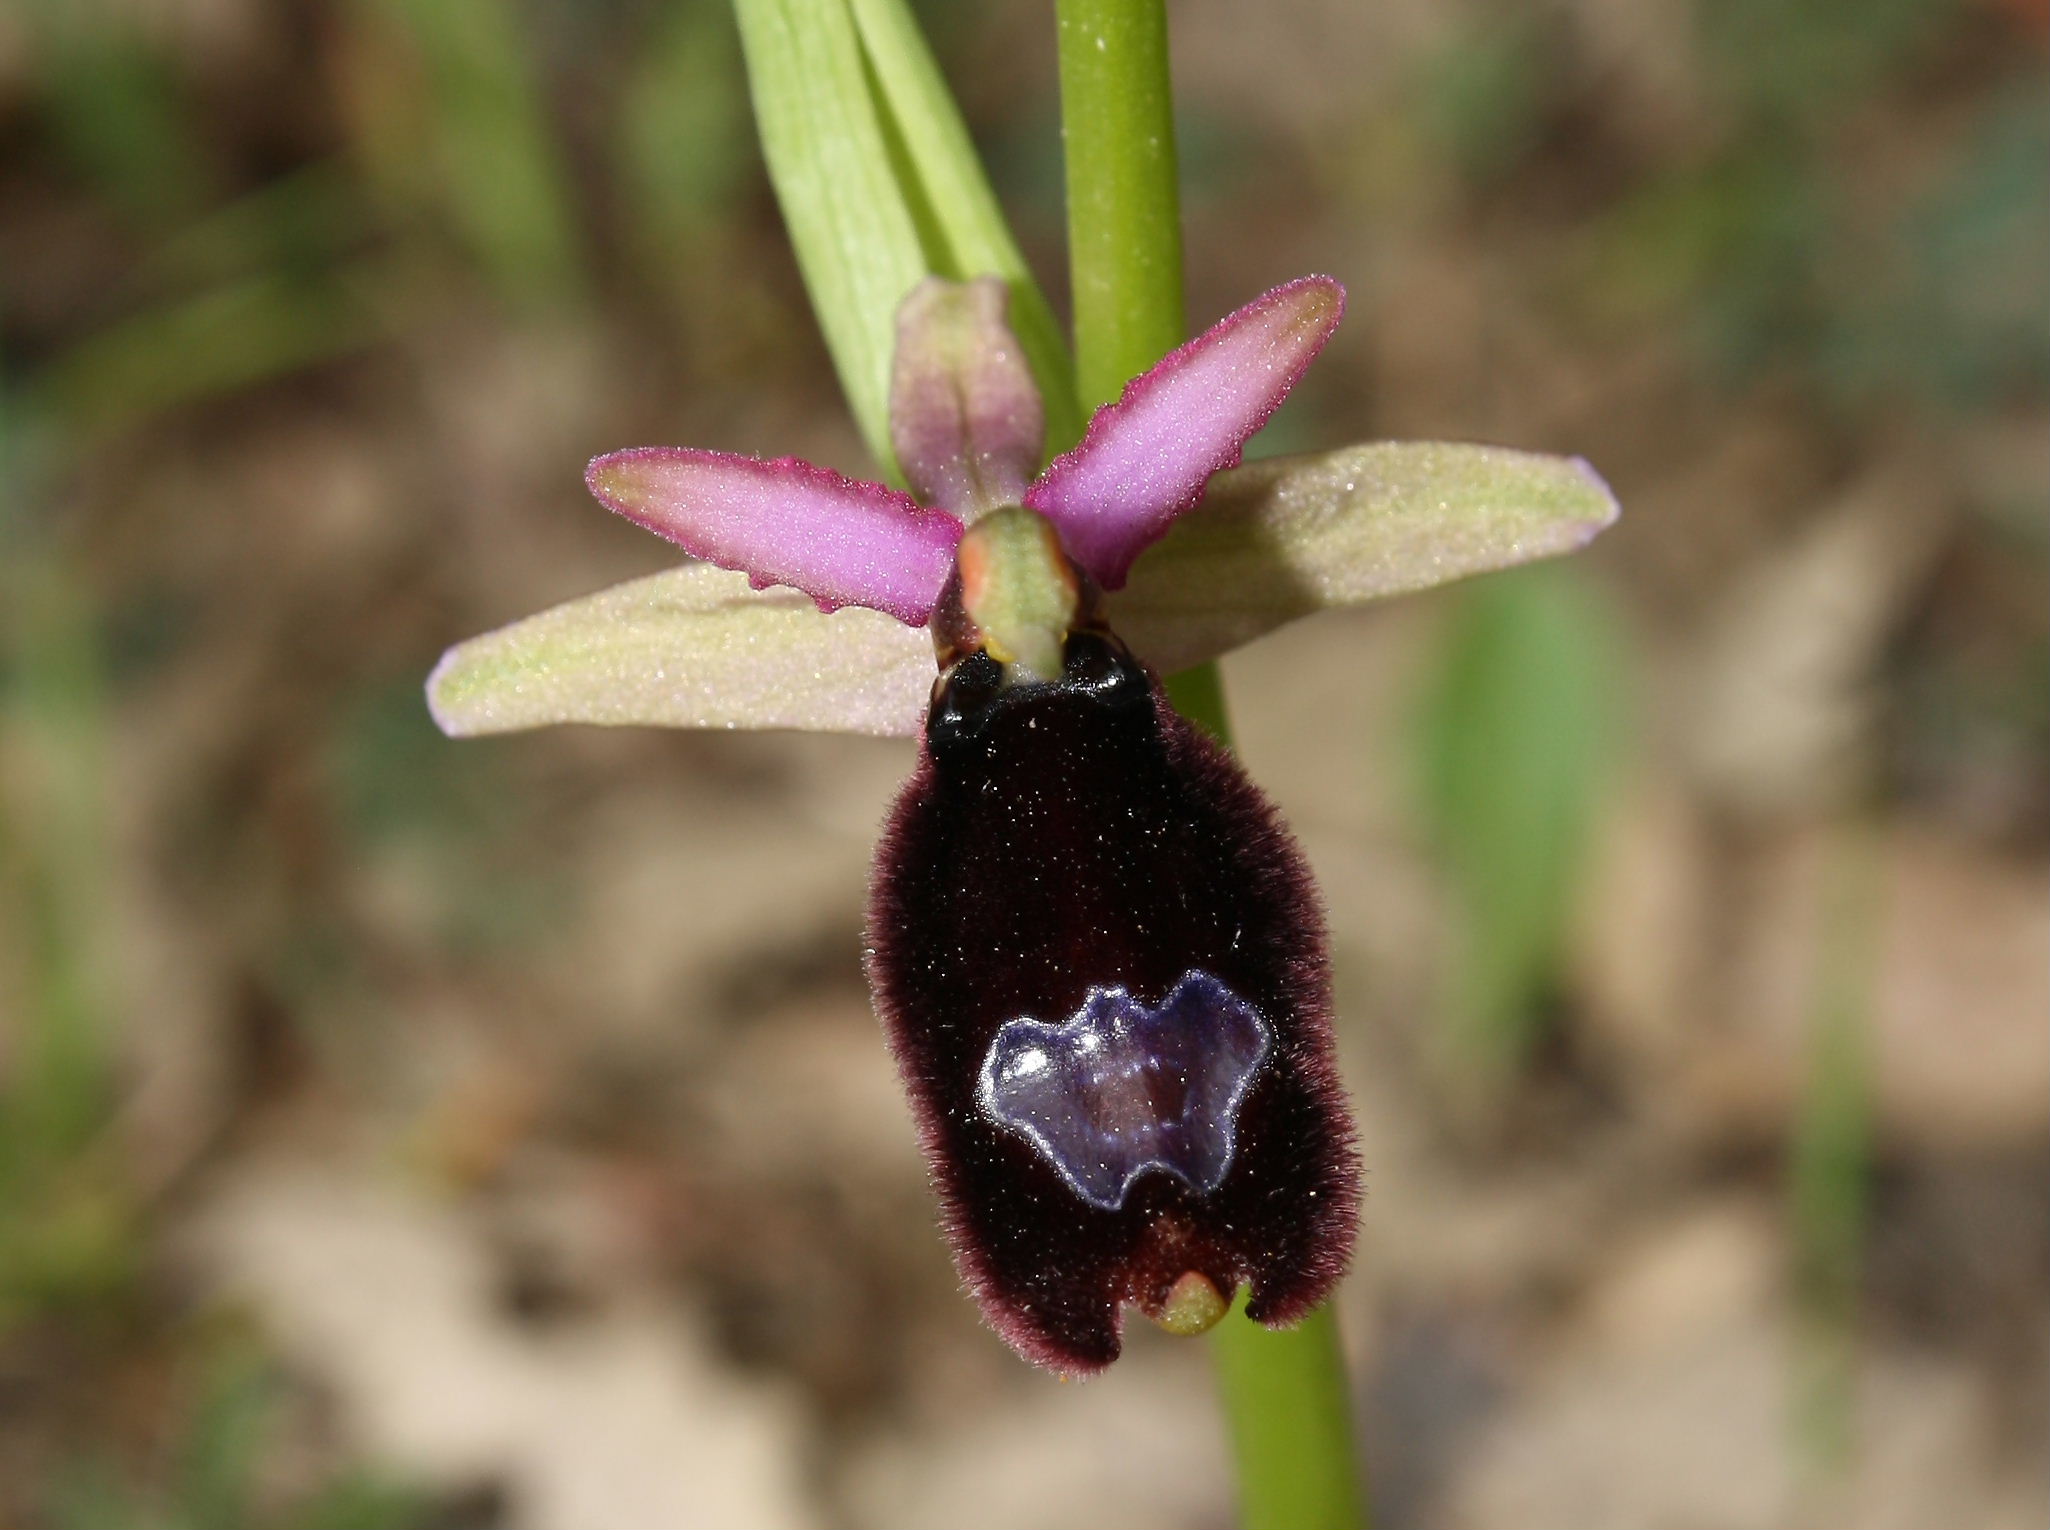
1020,873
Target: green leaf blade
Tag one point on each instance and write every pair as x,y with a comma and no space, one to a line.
849,221
978,240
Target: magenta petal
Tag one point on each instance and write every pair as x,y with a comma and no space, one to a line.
1146,457
842,542
965,414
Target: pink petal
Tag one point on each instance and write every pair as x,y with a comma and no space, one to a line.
965,415
842,542
1146,457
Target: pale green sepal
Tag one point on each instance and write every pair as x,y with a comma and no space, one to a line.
1280,539
695,647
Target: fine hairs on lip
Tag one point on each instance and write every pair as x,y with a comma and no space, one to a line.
1082,837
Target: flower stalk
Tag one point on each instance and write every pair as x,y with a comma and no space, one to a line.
1124,200
1285,1396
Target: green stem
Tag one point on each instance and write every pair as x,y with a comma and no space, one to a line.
1289,1410
1198,694
1124,209
1286,1401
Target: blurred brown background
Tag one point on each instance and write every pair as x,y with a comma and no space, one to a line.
402,1133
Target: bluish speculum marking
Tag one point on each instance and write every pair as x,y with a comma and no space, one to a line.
1119,1088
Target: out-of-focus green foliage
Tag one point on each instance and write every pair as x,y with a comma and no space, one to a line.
1477,98
682,139
301,224
1831,1166
1964,324
67,1236
398,796
1804,63
469,135
1766,252
117,109
1517,736
227,336
214,1475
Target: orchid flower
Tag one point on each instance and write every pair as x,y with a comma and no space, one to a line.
1095,949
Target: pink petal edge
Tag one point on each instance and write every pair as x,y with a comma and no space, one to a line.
842,541
1145,458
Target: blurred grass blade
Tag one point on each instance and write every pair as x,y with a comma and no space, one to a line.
849,219
53,853
67,1233
115,106
969,220
682,139
302,221
220,1460
239,333
498,164
1831,1157
1516,736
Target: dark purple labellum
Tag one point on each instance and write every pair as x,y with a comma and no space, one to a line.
1101,966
